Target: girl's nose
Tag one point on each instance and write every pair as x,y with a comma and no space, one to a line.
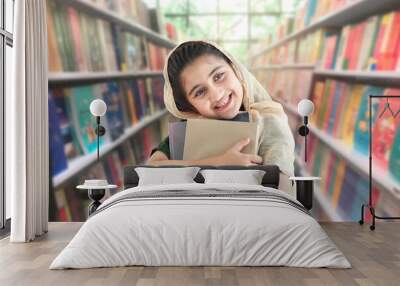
216,94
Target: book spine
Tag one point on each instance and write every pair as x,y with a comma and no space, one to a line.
54,62
56,144
56,11
76,39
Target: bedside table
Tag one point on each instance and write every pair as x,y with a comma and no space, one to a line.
96,190
305,189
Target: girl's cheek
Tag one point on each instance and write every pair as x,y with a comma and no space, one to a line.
234,83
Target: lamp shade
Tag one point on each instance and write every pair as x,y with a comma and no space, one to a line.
305,107
98,107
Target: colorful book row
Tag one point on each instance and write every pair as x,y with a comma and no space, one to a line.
138,11
344,188
80,42
134,10
305,50
373,44
288,86
342,111
312,10
72,126
71,204
309,12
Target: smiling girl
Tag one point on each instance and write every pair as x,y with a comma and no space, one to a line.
203,81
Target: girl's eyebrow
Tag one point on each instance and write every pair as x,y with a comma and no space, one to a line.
210,74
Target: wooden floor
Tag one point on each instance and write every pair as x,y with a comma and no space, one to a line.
374,255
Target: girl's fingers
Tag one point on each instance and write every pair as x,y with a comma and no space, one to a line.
241,144
256,159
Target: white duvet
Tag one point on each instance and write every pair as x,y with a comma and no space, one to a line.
181,231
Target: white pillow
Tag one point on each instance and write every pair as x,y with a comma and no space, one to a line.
249,177
162,176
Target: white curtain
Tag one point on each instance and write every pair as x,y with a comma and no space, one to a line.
27,152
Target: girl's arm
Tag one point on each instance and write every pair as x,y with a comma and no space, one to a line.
232,156
160,159
277,143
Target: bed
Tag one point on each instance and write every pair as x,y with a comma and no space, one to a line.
201,224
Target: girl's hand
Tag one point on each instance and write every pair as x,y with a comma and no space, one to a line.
233,155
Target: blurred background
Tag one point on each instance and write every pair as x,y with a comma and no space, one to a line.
334,52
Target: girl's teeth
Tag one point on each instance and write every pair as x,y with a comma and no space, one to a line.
223,103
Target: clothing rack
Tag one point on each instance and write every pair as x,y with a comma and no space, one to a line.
369,205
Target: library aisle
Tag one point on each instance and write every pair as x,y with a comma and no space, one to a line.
112,51
334,52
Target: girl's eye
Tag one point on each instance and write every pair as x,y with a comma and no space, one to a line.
218,76
199,92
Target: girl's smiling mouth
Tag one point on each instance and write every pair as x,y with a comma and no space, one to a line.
224,103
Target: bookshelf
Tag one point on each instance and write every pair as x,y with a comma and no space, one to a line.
321,199
283,79
376,77
128,67
79,164
129,25
358,162
350,13
86,77
284,67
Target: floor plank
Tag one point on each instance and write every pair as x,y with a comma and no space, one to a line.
374,255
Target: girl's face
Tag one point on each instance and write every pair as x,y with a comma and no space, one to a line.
212,87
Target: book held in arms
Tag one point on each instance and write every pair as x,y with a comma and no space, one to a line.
177,134
208,137
177,131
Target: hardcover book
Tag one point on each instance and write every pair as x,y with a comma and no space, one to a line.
351,114
177,131
69,133
182,138
56,141
206,138
79,102
114,114
340,172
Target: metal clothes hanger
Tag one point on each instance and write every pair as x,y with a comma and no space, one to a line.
387,106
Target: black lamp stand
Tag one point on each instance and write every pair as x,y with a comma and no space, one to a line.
303,131
100,131
369,205
97,194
